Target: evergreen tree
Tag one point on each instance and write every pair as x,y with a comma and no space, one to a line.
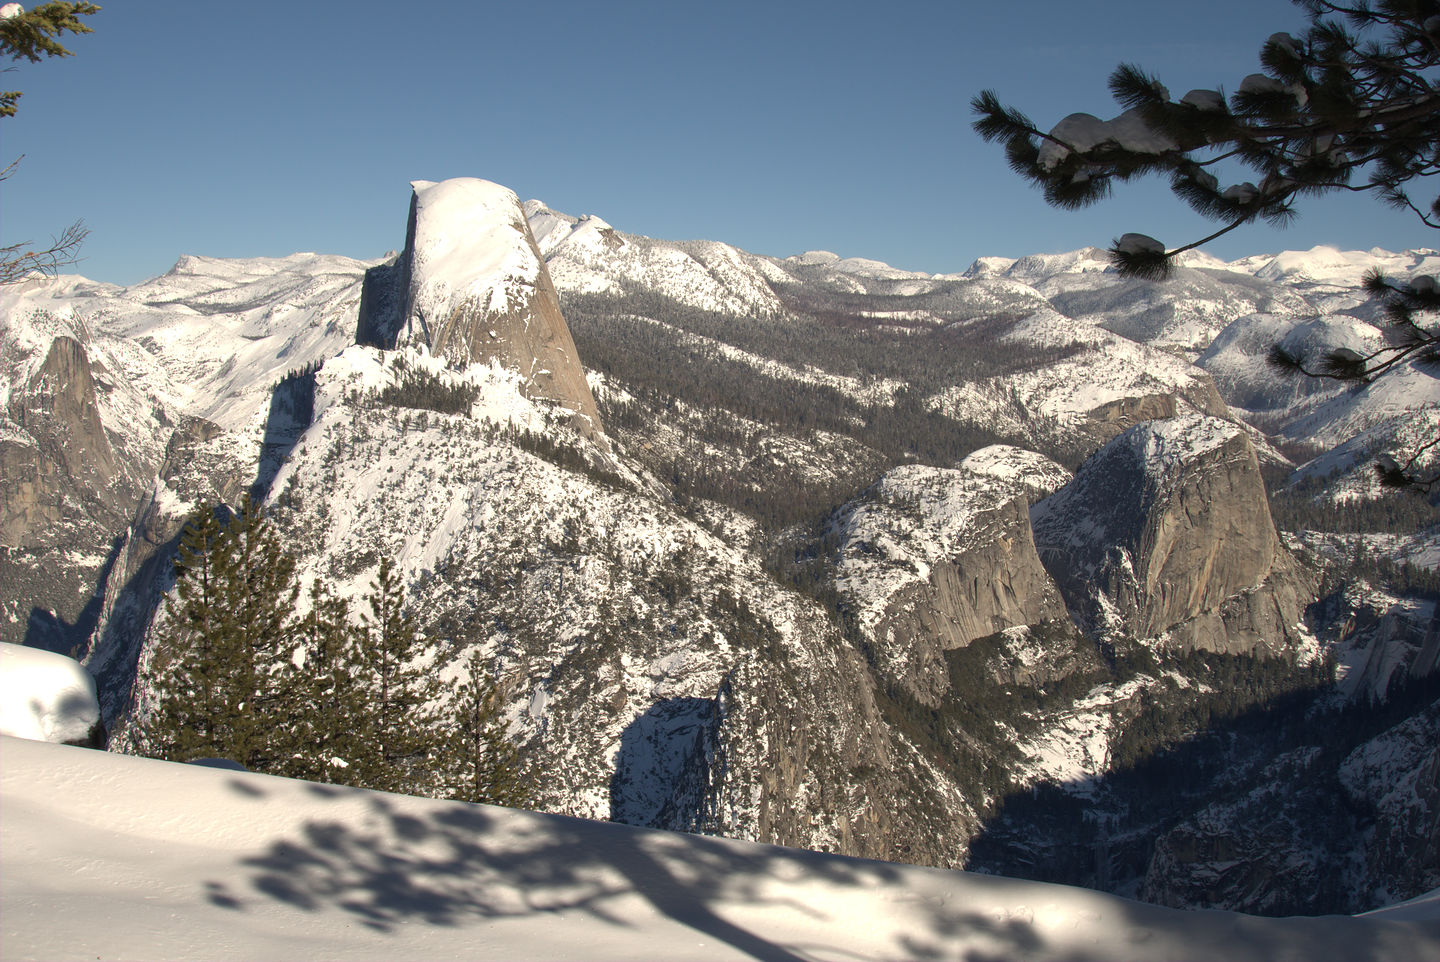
398,745
186,666
30,35
225,672
482,764
1357,95
329,730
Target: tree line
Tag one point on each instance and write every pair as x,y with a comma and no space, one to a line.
239,673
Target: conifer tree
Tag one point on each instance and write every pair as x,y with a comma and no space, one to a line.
186,665
328,730
31,35
1352,105
224,670
398,746
482,763
1356,95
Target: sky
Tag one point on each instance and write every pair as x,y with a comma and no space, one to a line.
264,128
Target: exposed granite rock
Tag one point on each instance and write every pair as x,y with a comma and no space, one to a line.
1167,529
68,458
471,287
1112,419
930,559
1395,777
64,491
1281,848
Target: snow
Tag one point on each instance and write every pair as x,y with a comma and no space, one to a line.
914,518
1211,100
1036,473
1073,750
1333,267
1085,132
1139,244
154,860
470,246
45,696
1165,445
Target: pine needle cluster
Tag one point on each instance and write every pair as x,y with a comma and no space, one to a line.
1352,105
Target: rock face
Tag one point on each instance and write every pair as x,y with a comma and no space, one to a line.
931,559
64,488
68,453
1314,832
1396,777
1167,529
471,287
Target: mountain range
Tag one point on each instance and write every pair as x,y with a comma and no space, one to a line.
1025,569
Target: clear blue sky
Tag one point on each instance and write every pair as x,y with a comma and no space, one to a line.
263,128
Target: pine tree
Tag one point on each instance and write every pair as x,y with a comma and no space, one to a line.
482,764
398,744
186,666
1337,102
1356,96
30,35
328,732
224,667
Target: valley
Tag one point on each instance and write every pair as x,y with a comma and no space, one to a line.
1022,569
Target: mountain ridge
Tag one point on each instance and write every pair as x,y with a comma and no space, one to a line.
748,607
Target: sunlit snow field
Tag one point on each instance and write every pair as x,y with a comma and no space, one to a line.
114,857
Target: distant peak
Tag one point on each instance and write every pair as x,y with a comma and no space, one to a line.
815,257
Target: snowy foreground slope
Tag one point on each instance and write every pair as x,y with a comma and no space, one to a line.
115,857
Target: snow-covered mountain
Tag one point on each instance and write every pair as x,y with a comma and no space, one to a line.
802,538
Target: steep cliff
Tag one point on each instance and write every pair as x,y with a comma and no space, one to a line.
471,287
1315,830
1167,531
930,559
68,479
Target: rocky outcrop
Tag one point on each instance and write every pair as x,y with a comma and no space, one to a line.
1314,832
929,559
1114,418
64,489
62,455
1167,530
1282,845
471,287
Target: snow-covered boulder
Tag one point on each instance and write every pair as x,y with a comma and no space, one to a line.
47,697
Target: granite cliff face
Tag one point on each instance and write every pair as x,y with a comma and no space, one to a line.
66,488
929,559
1319,831
692,646
1167,531
471,287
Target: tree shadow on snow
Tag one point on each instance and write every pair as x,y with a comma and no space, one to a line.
460,863
389,865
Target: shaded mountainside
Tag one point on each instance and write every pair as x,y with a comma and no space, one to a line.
947,569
